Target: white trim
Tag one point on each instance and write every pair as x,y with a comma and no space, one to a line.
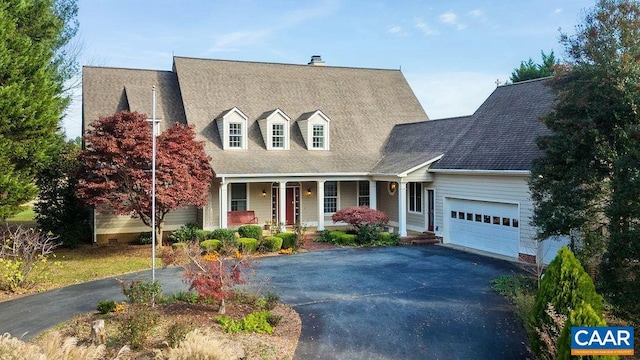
421,199
358,196
426,163
337,197
426,218
481,172
247,190
361,175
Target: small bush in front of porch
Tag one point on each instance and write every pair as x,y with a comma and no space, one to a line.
250,231
288,240
387,239
248,245
271,243
185,233
211,245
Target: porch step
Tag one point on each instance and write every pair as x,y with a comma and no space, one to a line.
425,238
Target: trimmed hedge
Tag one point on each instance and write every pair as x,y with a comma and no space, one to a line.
211,245
347,239
202,235
288,240
250,231
179,245
185,233
272,243
224,235
248,245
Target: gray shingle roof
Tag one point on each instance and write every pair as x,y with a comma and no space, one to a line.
500,135
106,91
363,105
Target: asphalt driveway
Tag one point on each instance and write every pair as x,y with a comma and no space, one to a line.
378,303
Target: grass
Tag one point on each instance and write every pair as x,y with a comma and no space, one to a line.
26,215
88,262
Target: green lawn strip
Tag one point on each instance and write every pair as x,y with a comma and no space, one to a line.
90,263
26,215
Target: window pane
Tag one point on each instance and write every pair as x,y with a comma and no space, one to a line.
454,215
330,197
470,216
460,215
330,188
318,137
506,221
514,222
487,219
277,136
478,218
235,135
363,193
238,197
496,220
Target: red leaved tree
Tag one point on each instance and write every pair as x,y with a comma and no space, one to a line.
116,175
359,216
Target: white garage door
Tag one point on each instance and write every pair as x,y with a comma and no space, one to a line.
483,225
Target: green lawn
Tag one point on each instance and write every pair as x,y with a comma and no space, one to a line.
24,216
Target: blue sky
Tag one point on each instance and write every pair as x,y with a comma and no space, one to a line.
451,52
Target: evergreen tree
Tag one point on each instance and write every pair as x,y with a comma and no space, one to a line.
530,70
565,285
58,210
33,35
582,315
588,180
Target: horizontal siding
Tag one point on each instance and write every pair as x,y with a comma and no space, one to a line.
261,205
512,189
419,175
117,224
387,203
309,203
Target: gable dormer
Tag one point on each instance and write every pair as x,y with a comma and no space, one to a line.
233,129
274,126
314,127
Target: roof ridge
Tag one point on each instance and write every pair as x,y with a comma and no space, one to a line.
526,81
123,68
282,63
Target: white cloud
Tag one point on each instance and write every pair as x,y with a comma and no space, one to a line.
397,31
424,28
237,39
451,94
557,11
450,18
476,13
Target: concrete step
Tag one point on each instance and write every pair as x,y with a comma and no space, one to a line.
426,238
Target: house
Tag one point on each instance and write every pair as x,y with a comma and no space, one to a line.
295,143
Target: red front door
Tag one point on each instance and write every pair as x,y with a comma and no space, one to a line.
291,202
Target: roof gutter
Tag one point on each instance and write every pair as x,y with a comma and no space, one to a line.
481,172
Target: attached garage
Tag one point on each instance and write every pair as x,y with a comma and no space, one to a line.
483,225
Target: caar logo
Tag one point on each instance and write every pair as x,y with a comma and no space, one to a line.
601,340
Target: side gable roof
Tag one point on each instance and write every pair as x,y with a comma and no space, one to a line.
504,131
500,135
106,91
363,104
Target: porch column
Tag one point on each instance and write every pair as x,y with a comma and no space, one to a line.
320,203
402,209
373,204
283,206
222,192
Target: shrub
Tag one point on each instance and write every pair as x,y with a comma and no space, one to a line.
250,231
203,344
387,238
145,238
325,236
24,257
271,300
202,235
137,324
347,239
272,243
106,306
336,235
141,292
224,235
300,230
248,245
179,245
360,215
511,285
582,315
565,286
185,233
188,297
211,245
53,346
288,240
256,322
367,233
177,332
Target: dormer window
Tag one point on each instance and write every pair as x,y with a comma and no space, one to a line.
232,126
314,127
274,126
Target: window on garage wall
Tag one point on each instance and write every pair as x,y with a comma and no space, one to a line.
415,197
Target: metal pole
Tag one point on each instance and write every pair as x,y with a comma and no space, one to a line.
153,186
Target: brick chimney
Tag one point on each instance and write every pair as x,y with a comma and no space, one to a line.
316,60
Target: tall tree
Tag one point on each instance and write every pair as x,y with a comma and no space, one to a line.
117,158
589,178
33,36
58,210
530,70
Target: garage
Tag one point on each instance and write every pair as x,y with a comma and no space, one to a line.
484,225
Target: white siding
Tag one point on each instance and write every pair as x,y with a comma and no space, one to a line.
493,188
114,224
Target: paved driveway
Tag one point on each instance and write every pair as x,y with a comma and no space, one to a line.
398,303
379,303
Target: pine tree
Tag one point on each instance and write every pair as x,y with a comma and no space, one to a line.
33,34
582,315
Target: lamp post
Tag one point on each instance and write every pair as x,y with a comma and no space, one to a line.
153,184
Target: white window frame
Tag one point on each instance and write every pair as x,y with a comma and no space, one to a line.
362,185
281,136
326,196
233,144
415,198
245,200
233,116
307,125
318,141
